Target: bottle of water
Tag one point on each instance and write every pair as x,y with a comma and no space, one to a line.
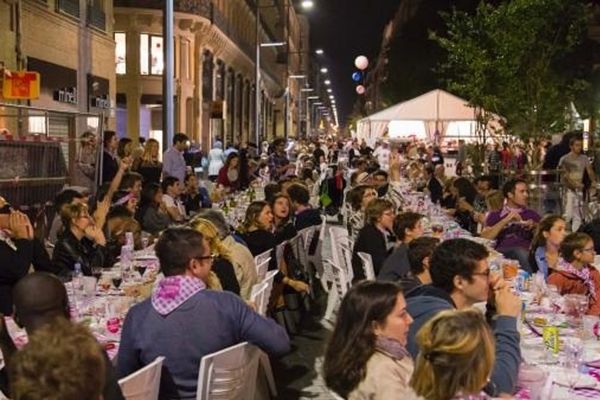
76,280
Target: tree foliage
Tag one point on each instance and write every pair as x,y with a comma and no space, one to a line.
521,59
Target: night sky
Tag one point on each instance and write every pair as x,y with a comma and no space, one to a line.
345,29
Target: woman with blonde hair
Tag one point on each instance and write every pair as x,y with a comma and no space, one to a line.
456,358
149,165
222,263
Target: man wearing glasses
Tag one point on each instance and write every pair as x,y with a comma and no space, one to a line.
184,321
461,278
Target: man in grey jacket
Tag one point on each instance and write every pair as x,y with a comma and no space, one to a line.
460,278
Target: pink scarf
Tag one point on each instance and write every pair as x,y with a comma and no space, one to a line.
584,274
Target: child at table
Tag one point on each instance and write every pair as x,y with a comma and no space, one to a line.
575,273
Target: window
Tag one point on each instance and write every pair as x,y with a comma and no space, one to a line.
37,124
121,52
151,54
144,55
156,55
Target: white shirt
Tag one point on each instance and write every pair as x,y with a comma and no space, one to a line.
170,202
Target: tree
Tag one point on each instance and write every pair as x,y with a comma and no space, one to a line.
511,59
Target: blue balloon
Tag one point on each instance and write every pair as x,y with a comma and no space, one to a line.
357,76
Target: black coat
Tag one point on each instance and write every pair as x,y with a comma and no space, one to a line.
436,191
69,251
110,166
224,270
370,240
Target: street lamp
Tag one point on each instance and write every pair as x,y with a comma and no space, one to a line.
319,52
307,4
327,82
324,70
330,90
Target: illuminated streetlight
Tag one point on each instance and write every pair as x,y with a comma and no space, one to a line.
319,52
307,4
327,82
329,90
324,70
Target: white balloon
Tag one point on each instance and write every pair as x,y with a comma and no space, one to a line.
361,62
360,89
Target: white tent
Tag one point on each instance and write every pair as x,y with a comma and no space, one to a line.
421,117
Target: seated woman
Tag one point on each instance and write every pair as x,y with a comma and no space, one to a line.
575,273
81,241
241,258
359,198
366,356
229,174
222,263
544,252
284,228
126,200
118,223
152,213
257,232
464,193
373,237
456,358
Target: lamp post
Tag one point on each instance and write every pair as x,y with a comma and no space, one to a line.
306,5
168,75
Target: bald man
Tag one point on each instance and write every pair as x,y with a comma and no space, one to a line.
40,298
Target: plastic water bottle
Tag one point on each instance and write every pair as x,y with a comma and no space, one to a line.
76,280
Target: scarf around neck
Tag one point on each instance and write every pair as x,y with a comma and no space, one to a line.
584,274
173,291
392,347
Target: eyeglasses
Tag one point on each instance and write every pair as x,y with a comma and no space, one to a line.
485,273
210,257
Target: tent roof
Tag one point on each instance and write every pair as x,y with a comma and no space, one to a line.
436,105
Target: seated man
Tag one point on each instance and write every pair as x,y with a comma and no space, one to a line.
419,256
460,278
513,225
213,320
306,216
35,313
407,226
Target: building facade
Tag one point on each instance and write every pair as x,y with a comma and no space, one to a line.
215,47
70,43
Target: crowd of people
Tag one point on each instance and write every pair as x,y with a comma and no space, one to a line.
410,333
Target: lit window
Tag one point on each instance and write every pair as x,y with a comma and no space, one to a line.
156,55
121,53
37,124
144,55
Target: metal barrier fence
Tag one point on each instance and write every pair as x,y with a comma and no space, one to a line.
41,151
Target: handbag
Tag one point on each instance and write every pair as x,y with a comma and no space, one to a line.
324,198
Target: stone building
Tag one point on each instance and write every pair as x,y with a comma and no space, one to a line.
215,47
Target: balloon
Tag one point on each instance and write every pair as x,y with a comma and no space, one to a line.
361,62
357,76
360,89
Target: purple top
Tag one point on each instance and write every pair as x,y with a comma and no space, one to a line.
514,234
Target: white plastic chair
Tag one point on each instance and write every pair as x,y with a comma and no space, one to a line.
229,374
261,292
367,264
340,286
279,252
262,264
341,249
143,384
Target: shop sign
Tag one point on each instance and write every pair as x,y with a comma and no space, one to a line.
20,85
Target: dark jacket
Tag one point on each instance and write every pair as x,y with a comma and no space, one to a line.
69,251
110,166
396,265
409,283
307,218
436,191
193,203
258,242
226,274
424,302
370,240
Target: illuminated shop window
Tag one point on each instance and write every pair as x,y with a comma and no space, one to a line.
121,53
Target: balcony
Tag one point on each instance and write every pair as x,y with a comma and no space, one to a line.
202,8
69,7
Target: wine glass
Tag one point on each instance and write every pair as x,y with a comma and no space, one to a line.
117,279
